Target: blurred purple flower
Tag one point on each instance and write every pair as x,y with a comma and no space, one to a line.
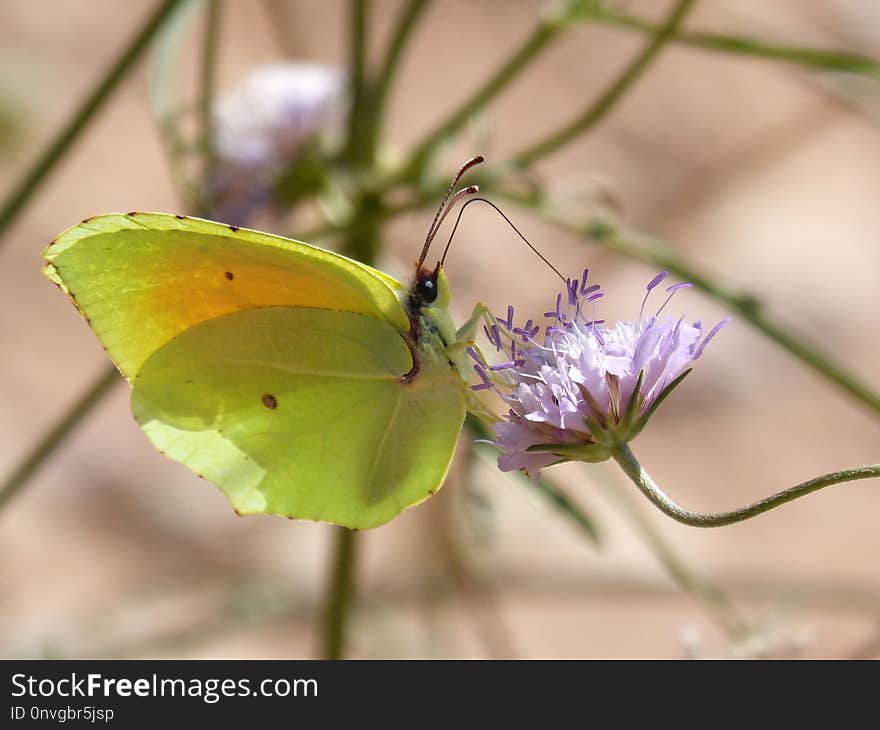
588,387
260,128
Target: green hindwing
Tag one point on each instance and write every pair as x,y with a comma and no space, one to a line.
302,412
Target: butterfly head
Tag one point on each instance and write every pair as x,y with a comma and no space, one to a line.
430,287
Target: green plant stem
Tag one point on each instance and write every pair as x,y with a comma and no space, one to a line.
747,306
657,497
563,504
546,31
208,81
339,595
359,134
56,436
32,180
829,60
716,601
606,102
408,19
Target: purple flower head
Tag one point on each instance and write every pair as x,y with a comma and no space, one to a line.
587,387
261,127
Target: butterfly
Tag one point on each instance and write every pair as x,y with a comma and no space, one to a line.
301,382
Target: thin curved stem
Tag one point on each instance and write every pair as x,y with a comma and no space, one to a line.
19,197
606,102
648,487
828,60
56,436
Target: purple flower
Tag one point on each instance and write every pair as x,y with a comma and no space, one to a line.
261,127
587,387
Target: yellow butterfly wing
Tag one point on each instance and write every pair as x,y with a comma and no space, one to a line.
142,278
273,368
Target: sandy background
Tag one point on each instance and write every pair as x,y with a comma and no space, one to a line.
762,173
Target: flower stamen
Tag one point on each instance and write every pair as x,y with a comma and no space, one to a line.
651,284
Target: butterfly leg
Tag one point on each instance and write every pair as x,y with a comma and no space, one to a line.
468,330
457,353
465,338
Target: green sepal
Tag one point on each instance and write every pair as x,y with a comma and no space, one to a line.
628,417
640,424
602,436
592,453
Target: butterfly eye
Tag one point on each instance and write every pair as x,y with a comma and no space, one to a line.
426,289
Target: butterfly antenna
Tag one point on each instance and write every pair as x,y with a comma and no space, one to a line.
440,215
509,222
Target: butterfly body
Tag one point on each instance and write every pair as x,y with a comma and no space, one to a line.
301,382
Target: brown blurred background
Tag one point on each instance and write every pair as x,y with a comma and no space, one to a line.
762,173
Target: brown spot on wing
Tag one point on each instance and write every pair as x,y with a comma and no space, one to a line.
229,275
270,401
